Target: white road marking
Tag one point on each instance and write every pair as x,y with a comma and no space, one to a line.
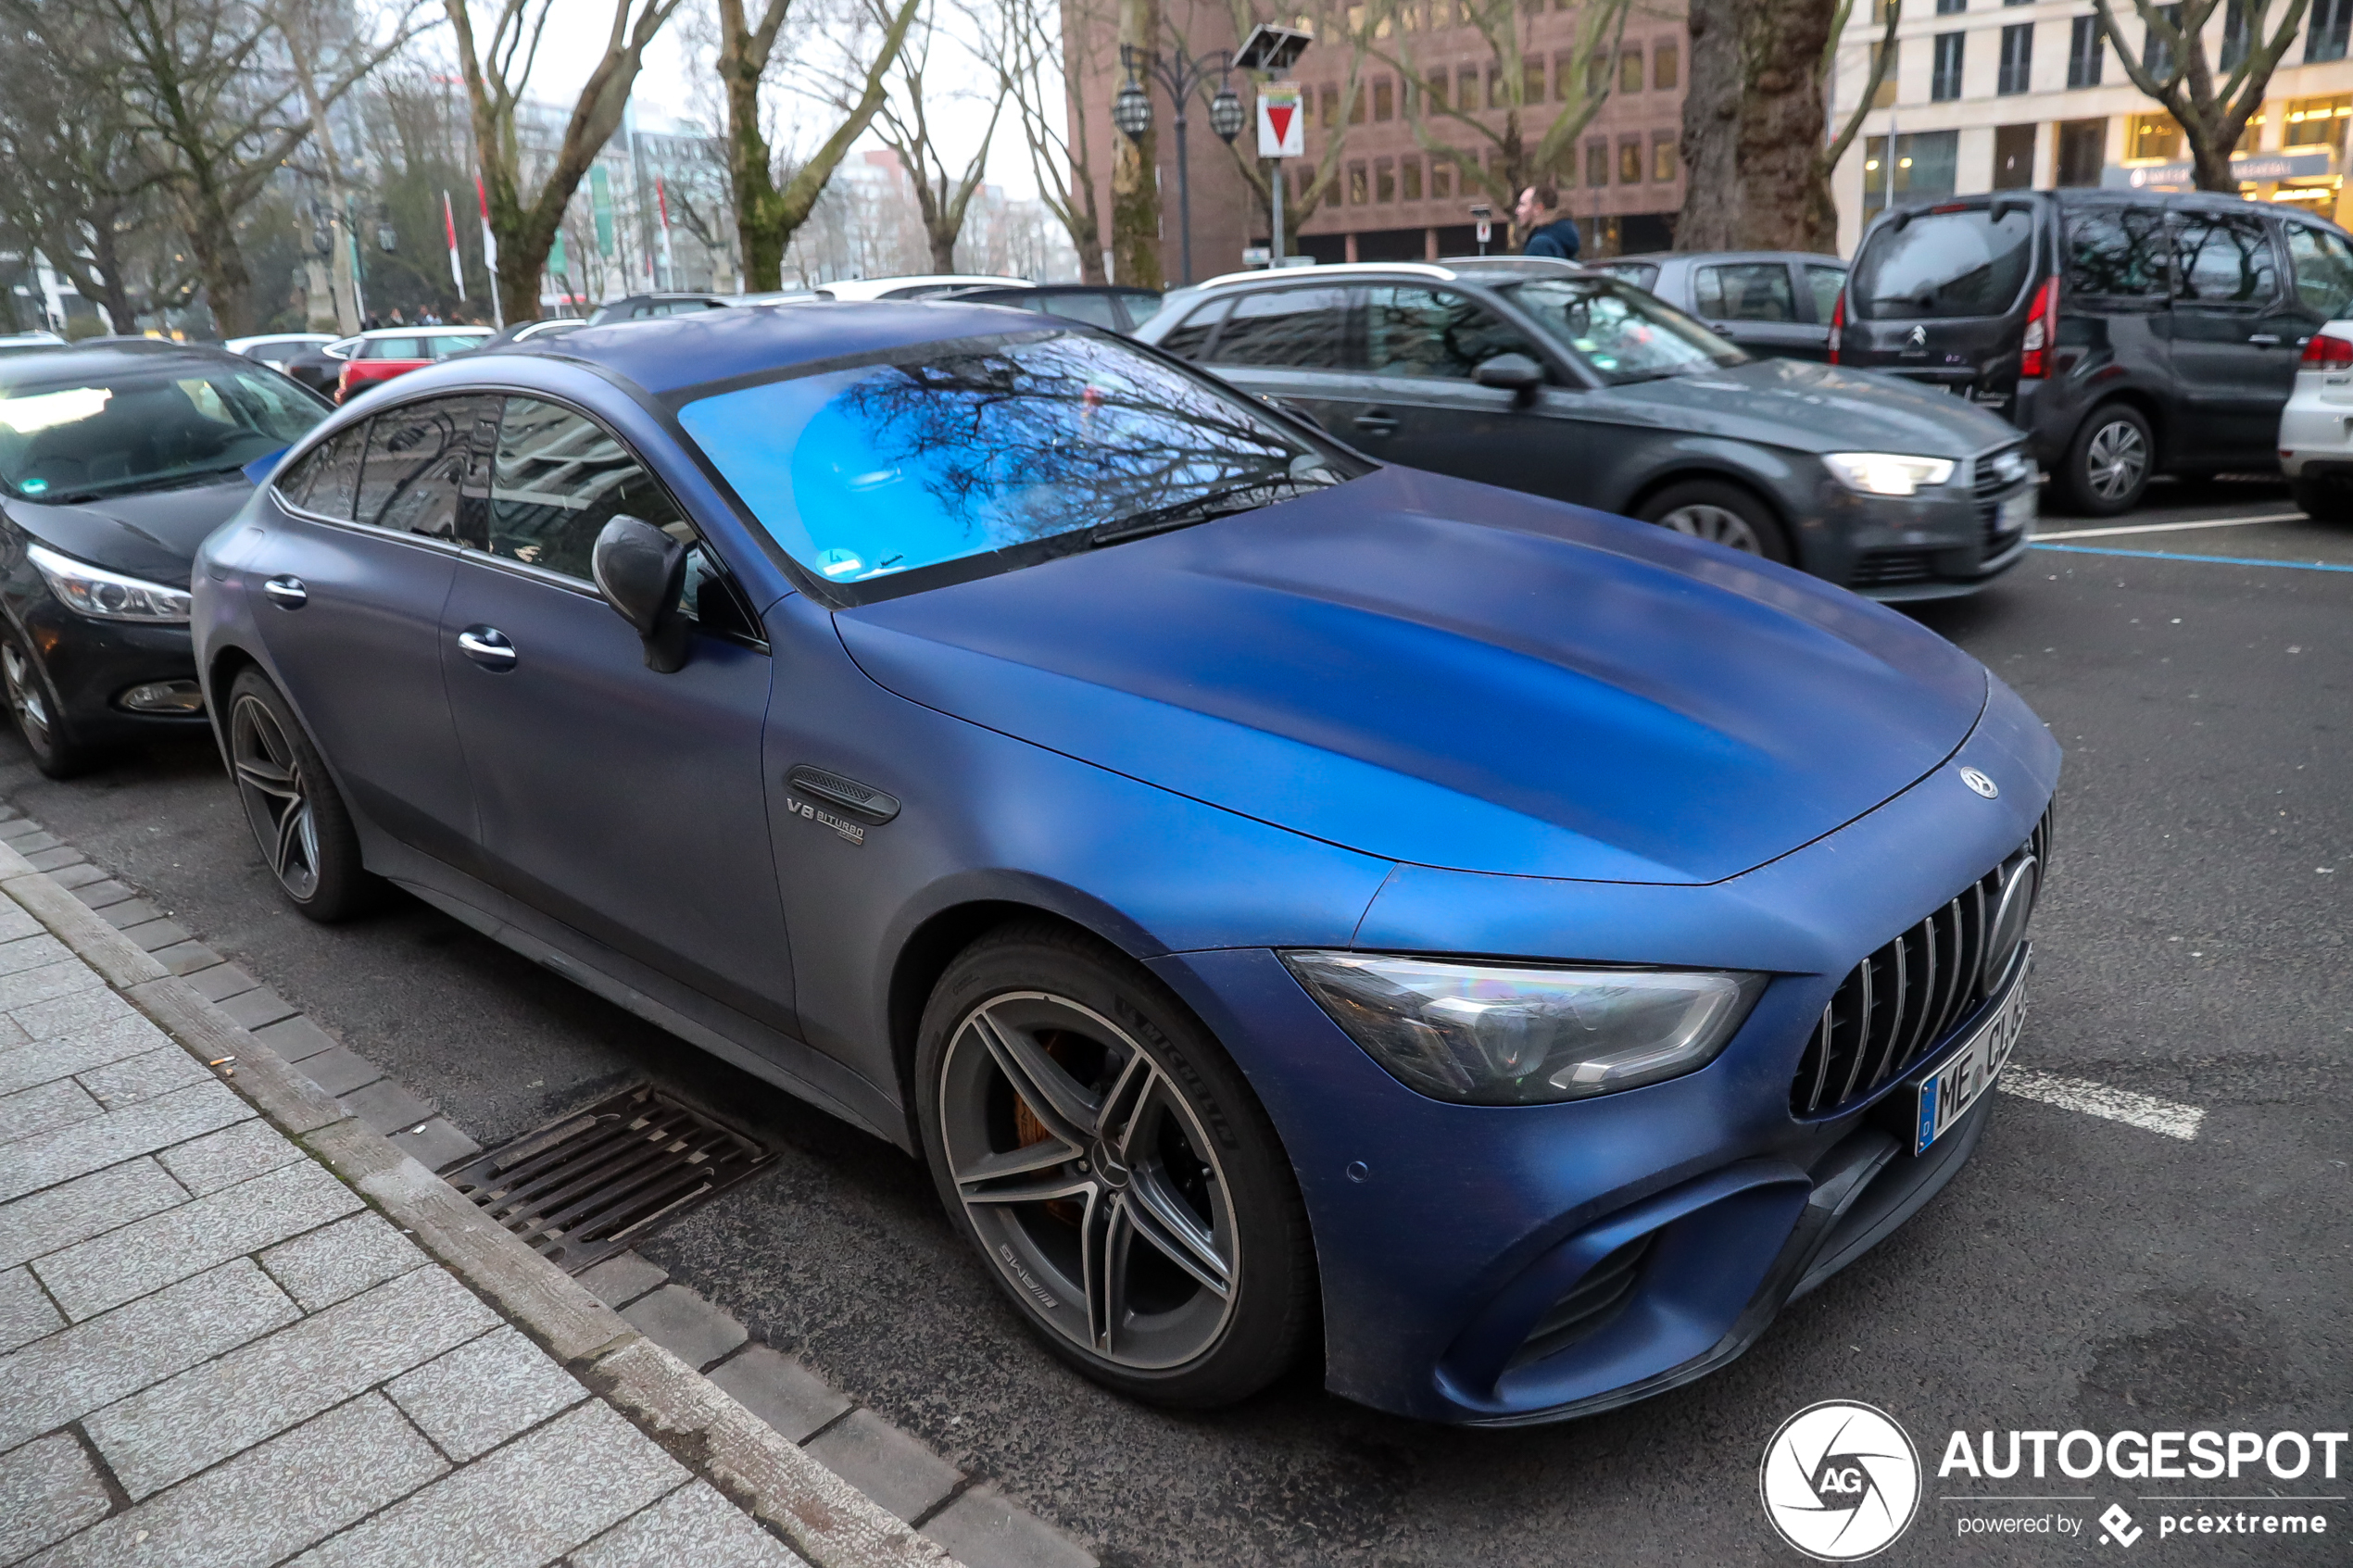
2145,1111
2174,527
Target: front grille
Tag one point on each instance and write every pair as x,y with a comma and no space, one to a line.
1589,1308
1891,566
1895,1008
1997,473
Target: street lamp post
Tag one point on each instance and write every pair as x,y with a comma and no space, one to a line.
1131,110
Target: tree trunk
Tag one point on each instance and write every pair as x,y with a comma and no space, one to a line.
943,247
1753,129
761,237
228,287
107,252
1135,171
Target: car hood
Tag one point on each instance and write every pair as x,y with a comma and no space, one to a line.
152,535
1813,407
1440,673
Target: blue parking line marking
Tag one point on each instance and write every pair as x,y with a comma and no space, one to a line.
2212,561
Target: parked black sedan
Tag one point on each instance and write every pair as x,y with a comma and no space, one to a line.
115,462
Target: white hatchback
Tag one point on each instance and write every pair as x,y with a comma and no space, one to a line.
2316,428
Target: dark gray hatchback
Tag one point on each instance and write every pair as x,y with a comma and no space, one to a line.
1570,384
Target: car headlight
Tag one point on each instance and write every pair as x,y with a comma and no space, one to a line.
1886,473
1518,1034
107,596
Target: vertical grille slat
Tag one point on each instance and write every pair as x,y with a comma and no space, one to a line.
1897,1007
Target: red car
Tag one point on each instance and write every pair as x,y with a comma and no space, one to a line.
396,351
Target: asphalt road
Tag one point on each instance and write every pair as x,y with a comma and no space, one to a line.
2082,1273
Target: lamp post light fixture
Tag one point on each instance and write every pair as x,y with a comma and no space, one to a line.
1131,110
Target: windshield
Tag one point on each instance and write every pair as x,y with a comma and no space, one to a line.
959,450
1944,265
1621,332
146,428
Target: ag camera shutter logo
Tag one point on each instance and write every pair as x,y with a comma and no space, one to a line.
1841,1481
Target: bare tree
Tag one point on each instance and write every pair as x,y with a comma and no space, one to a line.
942,195
1045,82
1757,164
2175,71
766,212
496,73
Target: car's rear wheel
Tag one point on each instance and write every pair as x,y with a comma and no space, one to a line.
297,816
1722,513
2323,500
1127,1190
2109,462
32,702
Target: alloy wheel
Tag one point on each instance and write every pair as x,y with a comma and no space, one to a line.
1719,524
25,700
2115,459
1091,1180
276,795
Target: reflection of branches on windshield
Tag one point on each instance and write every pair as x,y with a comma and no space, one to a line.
1032,440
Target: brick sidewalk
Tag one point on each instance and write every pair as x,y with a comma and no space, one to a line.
214,1352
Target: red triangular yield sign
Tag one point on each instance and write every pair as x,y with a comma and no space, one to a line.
1279,116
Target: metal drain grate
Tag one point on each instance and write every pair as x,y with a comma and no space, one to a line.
583,1188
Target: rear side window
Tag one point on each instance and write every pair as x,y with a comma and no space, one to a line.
447,343
416,461
395,348
557,479
1433,334
1943,266
325,480
1190,337
2324,266
1641,274
1306,329
1746,291
2224,259
1825,282
2118,253
1095,309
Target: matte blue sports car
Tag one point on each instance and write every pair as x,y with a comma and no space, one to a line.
1269,890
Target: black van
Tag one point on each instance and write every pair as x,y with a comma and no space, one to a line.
2128,332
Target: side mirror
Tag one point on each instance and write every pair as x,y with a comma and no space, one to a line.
641,571
1515,373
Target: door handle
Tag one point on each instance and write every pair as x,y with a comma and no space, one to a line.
487,647
286,592
2265,340
1377,423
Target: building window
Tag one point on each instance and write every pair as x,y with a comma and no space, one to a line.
2013,158
2018,58
2156,56
1384,99
1357,104
1630,69
1466,88
1330,114
2236,34
1629,162
1662,160
2086,47
1409,179
1924,165
2319,122
1441,179
2082,148
1564,75
1384,182
2332,21
1944,80
2251,137
1885,97
1665,62
1494,87
1434,94
2153,136
1358,187
1949,7
1597,163
1532,80
1596,74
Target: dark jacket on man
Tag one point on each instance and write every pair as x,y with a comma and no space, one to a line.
1558,239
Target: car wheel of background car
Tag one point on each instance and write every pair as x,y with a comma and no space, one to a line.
297,817
1108,1160
33,702
2323,500
1712,509
2109,463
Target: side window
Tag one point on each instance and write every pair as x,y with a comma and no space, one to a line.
395,348
1190,337
323,481
2324,265
2224,259
1433,334
557,479
1095,309
1304,329
1745,291
1825,282
2118,253
416,464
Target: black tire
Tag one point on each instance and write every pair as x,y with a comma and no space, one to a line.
298,815
40,716
1723,512
2323,500
1111,1131
2109,462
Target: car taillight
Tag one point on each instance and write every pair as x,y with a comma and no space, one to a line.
2042,332
1838,324
2325,353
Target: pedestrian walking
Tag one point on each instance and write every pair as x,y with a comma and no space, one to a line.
1555,237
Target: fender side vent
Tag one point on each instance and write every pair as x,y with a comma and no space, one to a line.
580,1189
849,794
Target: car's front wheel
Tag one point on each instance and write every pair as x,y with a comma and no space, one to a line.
297,816
2109,462
32,702
1722,513
1125,1186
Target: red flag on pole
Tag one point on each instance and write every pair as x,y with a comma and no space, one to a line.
449,226
490,254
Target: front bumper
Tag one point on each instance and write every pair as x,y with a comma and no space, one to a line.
92,663
1936,545
1446,1233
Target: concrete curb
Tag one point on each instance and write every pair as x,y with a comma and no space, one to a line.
821,1516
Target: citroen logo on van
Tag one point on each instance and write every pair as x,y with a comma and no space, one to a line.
1981,783
1919,338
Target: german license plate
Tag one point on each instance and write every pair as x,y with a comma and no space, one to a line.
1947,1094
2018,511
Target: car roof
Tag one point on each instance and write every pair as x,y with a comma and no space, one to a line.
1659,258
442,330
93,357
875,288
1456,269
674,352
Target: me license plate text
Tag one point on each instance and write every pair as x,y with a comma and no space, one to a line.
1947,1094
2016,512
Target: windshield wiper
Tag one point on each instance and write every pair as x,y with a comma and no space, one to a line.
1184,514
